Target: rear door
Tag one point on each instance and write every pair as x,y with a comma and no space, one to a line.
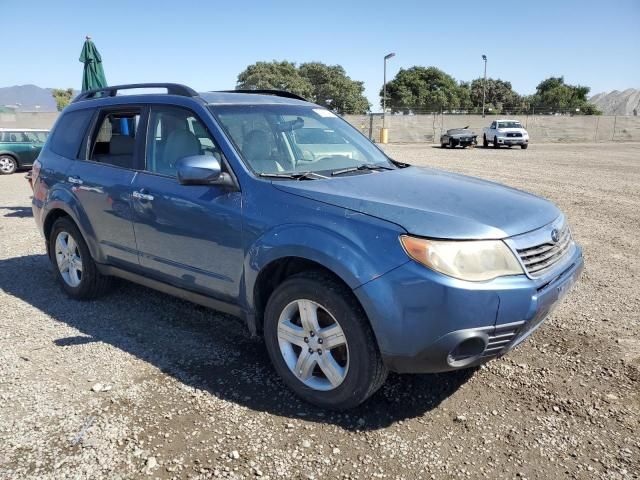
187,235
102,182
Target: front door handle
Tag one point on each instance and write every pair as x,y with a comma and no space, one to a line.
75,180
142,195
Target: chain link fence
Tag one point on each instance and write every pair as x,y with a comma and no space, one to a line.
427,128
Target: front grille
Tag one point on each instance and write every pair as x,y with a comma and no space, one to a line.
541,258
514,134
501,338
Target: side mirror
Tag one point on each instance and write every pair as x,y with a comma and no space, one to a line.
202,170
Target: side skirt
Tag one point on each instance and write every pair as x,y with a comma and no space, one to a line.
188,295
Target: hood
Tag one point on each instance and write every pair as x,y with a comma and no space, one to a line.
432,203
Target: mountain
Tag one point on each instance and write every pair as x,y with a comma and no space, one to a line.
27,98
617,102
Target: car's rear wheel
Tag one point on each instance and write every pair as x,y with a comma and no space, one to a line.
495,142
8,165
320,342
485,142
443,145
524,146
71,259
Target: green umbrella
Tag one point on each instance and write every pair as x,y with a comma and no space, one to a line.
93,75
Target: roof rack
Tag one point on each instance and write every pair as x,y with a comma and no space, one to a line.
172,89
275,93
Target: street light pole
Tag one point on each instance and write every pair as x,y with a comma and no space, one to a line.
384,87
484,84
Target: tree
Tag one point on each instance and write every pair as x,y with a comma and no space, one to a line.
274,75
425,89
500,96
333,89
327,85
62,97
553,94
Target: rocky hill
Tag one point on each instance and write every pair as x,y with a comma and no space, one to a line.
617,102
28,98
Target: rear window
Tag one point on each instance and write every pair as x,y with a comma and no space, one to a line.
69,133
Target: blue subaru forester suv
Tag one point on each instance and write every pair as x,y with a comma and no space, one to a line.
275,210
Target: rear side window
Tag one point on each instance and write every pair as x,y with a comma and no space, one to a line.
69,133
114,141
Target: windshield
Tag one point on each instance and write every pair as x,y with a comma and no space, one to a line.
509,125
290,139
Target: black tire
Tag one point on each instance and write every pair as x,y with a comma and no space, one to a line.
524,146
8,165
452,143
495,142
443,145
366,372
92,283
485,143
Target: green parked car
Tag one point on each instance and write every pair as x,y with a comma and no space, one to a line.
19,148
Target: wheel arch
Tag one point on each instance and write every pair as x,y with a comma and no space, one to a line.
62,203
276,272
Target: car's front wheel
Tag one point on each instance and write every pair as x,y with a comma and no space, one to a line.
524,146
485,142
320,342
72,261
452,143
8,165
495,142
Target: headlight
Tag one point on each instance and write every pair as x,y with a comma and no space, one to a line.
472,260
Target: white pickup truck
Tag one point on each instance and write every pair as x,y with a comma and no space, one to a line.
505,132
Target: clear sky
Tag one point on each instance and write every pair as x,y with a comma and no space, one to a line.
205,44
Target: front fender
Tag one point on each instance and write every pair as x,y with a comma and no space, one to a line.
354,262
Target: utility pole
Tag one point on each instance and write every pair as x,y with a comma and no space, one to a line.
484,84
384,91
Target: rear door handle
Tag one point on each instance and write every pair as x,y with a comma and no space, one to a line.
142,195
75,180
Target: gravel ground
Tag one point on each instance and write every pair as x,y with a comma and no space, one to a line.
139,384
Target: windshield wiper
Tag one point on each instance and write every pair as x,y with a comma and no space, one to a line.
360,167
293,176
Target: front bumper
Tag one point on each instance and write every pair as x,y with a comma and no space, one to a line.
513,140
427,322
466,141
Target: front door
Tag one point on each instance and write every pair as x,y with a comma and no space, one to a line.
187,235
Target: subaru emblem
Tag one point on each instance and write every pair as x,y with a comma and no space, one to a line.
555,235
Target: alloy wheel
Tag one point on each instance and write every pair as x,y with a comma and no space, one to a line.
313,345
7,165
68,259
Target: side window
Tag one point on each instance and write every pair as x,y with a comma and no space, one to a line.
175,133
114,139
69,133
493,125
9,137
